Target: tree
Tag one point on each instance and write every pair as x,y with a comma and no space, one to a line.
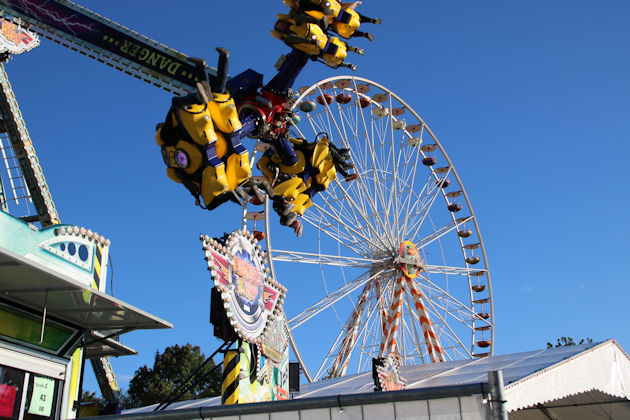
568,341
330,373
170,369
88,396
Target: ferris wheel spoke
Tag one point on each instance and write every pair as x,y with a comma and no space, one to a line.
370,149
412,183
329,300
365,216
406,337
447,302
351,328
353,207
395,165
441,232
312,122
342,122
329,356
328,360
444,322
441,269
364,196
330,115
332,260
350,243
420,201
349,229
347,212
368,333
412,349
428,188
460,315
349,116
387,192
300,133
424,211
394,315
325,119
327,219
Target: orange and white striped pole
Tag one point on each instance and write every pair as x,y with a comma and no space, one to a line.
436,353
384,329
395,313
384,317
352,327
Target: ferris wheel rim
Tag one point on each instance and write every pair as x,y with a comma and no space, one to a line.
472,216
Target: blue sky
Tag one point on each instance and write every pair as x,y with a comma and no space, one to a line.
530,100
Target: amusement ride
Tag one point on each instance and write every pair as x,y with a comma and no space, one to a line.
345,163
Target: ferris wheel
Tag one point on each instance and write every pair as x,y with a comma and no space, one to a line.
401,262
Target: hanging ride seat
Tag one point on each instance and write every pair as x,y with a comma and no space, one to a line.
323,164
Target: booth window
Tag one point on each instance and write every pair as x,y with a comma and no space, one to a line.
40,401
27,328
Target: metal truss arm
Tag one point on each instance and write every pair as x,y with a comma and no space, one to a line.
99,38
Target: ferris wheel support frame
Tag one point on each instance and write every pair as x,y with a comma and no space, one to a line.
352,328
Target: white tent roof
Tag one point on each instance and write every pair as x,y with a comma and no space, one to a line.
530,378
594,383
586,381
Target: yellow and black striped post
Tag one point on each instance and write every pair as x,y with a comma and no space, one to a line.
100,268
231,372
98,258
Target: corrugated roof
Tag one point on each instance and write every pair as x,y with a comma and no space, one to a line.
515,367
530,378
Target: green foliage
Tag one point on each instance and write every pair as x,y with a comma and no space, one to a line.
170,369
88,396
329,374
568,341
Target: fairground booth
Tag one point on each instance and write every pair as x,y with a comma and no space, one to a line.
55,316
54,312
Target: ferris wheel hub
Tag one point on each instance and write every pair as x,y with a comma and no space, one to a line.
409,260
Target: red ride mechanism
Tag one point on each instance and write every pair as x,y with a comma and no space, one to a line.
271,112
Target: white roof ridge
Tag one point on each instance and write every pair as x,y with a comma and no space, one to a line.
565,361
603,367
526,355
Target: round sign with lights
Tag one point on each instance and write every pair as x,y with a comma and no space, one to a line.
250,297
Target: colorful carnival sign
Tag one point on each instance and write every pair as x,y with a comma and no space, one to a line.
386,373
14,39
261,378
275,341
250,297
